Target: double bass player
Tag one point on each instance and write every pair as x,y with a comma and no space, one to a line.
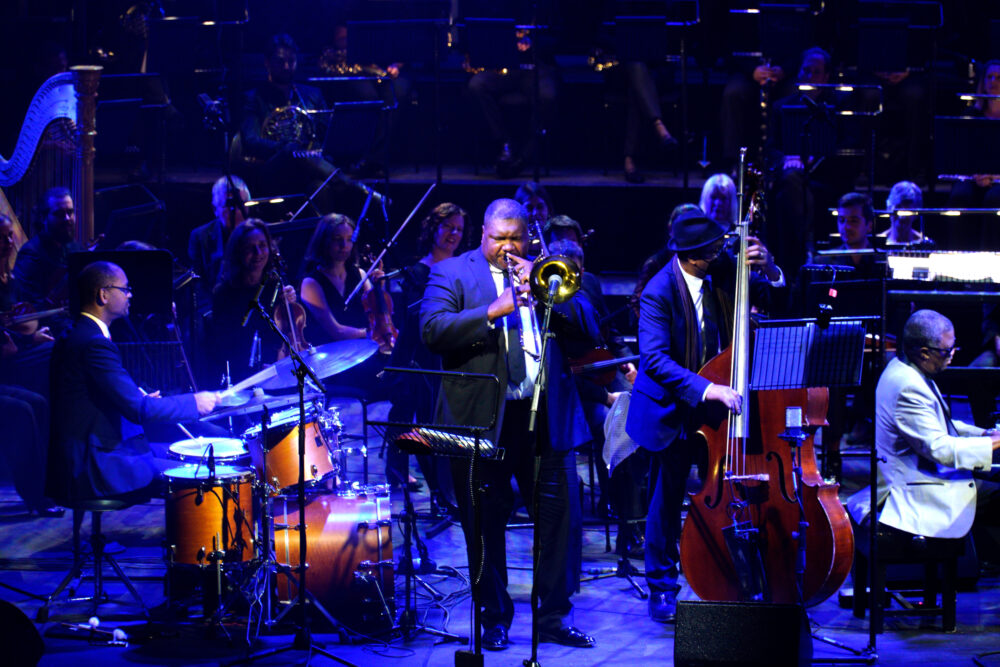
684,317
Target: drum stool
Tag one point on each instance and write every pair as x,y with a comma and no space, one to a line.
96,507
895,546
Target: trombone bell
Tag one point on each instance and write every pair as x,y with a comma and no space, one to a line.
555,265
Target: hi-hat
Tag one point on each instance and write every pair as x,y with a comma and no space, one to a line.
255,403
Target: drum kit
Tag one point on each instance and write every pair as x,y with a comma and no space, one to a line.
232,508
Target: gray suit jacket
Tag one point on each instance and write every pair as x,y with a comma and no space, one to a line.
926,479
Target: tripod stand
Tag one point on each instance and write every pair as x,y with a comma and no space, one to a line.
303,636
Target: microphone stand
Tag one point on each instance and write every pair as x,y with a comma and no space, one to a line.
303,637
391,242
536,395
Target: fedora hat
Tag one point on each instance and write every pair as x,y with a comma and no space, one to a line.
691,229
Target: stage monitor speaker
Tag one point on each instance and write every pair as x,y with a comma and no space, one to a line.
22,643
741,633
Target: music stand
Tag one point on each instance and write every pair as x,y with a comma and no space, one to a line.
799,354
463,442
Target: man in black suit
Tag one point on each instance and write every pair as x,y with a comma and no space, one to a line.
92,393
464,319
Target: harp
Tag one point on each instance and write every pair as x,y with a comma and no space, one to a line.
55,147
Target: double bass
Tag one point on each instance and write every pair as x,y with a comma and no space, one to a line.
745,537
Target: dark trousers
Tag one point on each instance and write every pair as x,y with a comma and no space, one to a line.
491,88
25,418
668,473
558,521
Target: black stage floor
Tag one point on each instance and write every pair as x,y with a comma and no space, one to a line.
36,553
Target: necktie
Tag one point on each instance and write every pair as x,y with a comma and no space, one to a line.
516,371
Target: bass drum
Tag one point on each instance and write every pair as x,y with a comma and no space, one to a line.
349,550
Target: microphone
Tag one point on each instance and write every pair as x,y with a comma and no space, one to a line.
254,350
211,461
555,282
253,305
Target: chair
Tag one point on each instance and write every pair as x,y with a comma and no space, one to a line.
96,507
896,547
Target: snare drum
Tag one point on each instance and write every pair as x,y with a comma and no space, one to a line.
195,450
282,451
349,533
206,516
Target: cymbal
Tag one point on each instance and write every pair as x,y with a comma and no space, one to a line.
254,404
325,360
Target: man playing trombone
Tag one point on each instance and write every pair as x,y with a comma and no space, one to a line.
469,317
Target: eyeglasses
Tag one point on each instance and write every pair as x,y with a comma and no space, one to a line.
127,290
944,351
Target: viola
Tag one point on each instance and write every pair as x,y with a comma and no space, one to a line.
746,536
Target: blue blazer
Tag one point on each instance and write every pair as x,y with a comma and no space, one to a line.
453,323
666,398
91,394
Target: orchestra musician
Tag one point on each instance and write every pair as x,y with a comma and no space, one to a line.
24,410
464,319
442,233
207,243
904,195
926,457
331,274
92,394
684,321
282,168
247,267
40,272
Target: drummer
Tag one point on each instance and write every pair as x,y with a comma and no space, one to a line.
92,394
247,275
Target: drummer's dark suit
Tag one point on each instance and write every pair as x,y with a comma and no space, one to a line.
454,324
91,394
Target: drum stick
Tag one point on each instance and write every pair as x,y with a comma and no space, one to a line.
179,425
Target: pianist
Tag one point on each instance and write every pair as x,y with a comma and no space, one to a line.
926,458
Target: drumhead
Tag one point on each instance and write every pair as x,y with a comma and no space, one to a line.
197,448
281,419
193,472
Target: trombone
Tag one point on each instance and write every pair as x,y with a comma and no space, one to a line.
553,279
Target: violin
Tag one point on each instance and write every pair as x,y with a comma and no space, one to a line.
290,317
23,318
600,365
378,307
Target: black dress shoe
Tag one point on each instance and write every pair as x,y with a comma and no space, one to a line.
663,606
567,635
495,638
